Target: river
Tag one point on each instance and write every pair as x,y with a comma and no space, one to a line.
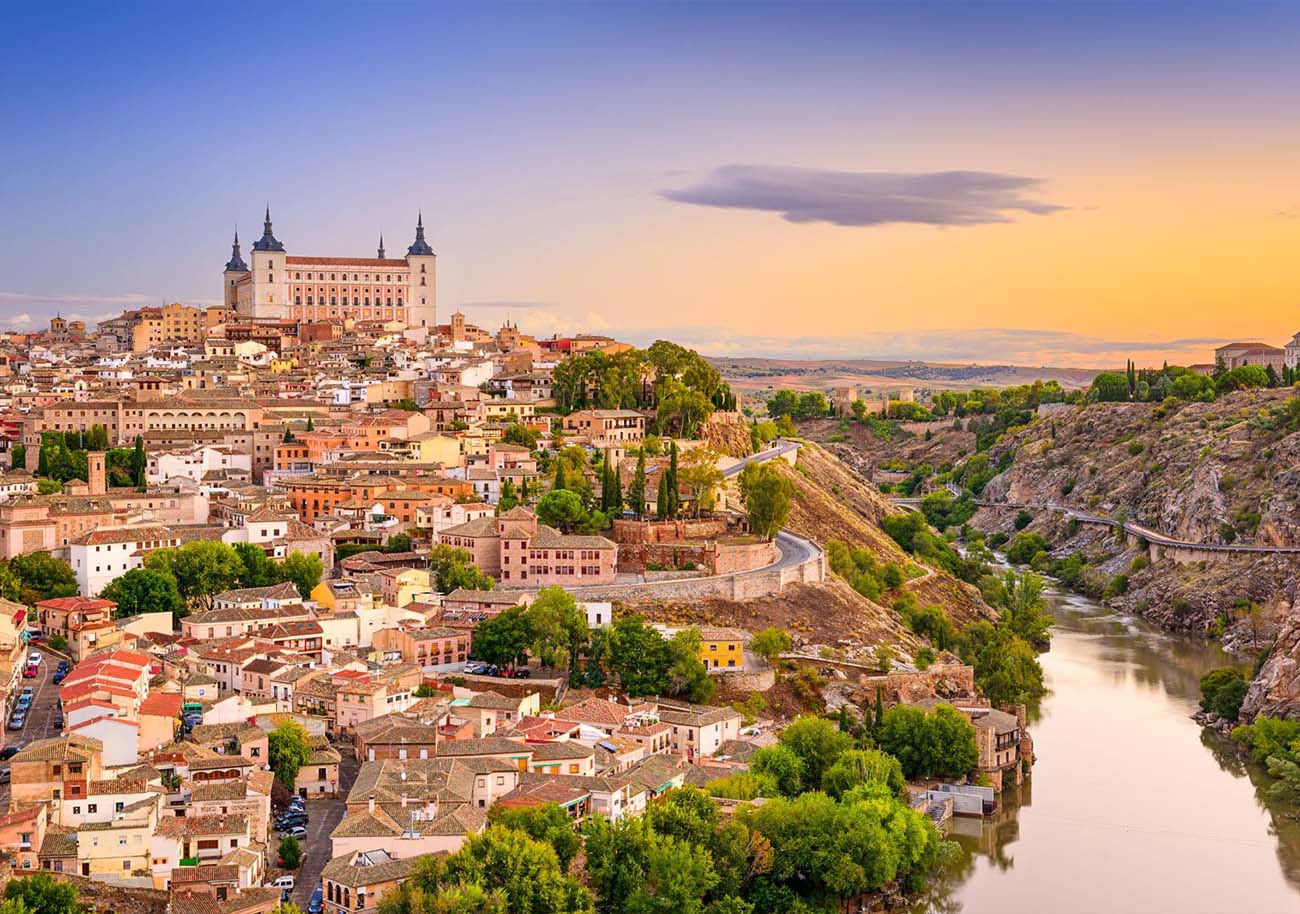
1130,806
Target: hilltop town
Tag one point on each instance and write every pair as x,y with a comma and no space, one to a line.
307,588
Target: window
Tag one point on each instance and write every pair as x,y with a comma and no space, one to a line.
92,808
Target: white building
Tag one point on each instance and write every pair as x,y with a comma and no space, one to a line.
105,553
196,462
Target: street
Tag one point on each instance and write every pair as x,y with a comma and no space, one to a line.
40,716
325,815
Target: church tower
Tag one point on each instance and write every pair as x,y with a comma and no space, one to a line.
421,300
270,279
236,272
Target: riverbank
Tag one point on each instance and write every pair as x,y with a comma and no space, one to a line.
1107,814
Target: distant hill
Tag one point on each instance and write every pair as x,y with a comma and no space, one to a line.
754,375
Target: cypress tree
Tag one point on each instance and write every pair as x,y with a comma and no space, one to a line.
636,491
606,495
880,707
674,493
43,462
615,491
139,462
560,481
311,426
661,503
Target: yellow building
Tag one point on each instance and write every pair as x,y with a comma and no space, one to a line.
433,447
284,363
722,648
498,410
119,847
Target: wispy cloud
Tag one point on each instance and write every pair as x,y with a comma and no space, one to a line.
1293,213
858,198
507,305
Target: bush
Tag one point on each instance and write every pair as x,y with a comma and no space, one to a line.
1023,519
1117,586
1025,546
291,852
1222,692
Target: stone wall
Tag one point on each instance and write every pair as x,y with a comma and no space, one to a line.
756,681
629,532
748,585
712,558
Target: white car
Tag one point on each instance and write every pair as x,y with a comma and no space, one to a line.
34,658
284,882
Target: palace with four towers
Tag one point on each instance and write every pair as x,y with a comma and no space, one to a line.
279,286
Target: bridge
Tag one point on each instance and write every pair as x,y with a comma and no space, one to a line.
1160,545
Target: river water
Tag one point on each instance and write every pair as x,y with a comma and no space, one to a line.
1130,806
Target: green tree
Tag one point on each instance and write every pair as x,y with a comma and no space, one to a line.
1223,690
663,500
771,643
817,743
48,487
547,823
559,627
18,457
640,656
782,767
290,852
140,591
767,496
1021,598
139,463
527,872
201,569
453,568
509,497
1110,386
687,676
856,767
636,489
304,570
504,639
36,576
257,568
522,435
561,509
1006,667
288,749
674,486
636,870
41,893
940,743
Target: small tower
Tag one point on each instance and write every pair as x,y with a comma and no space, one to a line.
381,246
421,300
270,281
236,272
58,328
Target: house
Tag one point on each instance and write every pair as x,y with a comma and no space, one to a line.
104,553
202,839
85,623
604,428
722,649
120,738
1235,355
398,736
250,798
320,776
517,551
358,880
431,649
159,719
117,848
699,730
360,701
22,832
60,768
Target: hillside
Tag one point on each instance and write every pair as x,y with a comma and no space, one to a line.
832,502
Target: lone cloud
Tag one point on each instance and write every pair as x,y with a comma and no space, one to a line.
868,197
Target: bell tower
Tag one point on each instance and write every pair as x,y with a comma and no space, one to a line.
421,295
270,281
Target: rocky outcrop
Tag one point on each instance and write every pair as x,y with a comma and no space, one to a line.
1276,690
727,433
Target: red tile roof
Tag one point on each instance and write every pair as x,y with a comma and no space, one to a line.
162,704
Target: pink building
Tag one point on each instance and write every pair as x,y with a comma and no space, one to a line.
519,552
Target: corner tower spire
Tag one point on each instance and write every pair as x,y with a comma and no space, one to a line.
420,246
236,264
381,245
268,242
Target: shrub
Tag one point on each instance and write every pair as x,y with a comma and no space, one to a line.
1222,692
1025,546
1117,586
1023,519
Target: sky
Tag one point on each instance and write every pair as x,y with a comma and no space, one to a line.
1031,183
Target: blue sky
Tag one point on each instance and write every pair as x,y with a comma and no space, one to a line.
576,164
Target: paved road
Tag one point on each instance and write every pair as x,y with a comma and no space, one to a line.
795,550
325,817
40,717
779,448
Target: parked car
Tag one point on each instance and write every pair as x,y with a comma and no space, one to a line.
18,721
4,775
9,752
29,672
283,882
63,665
35,658
287,824
35,635
24,701
58,721
59,676
317,903
297,832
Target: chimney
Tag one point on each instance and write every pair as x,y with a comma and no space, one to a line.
95,472
403,800
371,804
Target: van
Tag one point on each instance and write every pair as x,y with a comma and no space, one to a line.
283,882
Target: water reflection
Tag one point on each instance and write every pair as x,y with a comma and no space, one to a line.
1130,807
